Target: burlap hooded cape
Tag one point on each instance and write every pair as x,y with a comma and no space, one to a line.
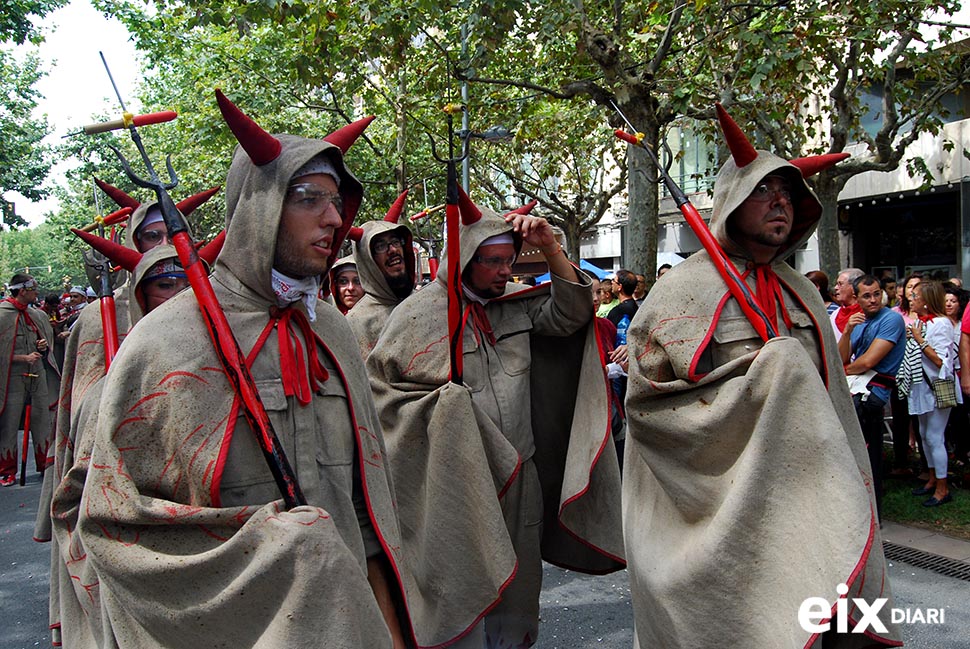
84,362
183,557
452,465
84,359
75,598
83,367
746,481
12,319
368,316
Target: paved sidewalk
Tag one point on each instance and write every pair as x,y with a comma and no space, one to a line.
926,540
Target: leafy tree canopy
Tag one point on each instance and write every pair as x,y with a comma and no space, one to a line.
24,159
16,19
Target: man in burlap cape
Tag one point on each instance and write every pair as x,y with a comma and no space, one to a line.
21,328
75,599
180,516
84,366
746,481
486,469
368,316
84,351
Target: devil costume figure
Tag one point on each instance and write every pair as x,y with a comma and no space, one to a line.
21,327
747,486
177,488
506,464
368,316
75,612
84,365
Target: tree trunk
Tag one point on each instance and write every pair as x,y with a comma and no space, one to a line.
573,234
828,189
640,243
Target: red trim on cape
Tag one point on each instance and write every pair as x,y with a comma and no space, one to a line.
515,474
692,371
692,374
850,582
818,330
363,479
470,627
607,439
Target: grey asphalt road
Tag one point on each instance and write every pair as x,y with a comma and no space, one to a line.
577,611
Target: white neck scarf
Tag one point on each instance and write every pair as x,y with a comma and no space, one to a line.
289,290
474,297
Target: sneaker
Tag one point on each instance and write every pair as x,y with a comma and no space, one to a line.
7,480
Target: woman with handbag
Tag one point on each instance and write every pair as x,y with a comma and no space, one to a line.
931,398
905,427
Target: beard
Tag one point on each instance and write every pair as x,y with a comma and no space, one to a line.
400,285
288,260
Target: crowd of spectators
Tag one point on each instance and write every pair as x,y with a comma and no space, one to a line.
907,348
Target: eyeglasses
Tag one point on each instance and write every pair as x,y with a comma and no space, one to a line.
347,281
380,246
495,263
765,192
153,237
311,200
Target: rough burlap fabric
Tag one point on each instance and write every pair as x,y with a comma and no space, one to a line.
747,486
83,367
74,601
180,516
368,316
27,327
454,466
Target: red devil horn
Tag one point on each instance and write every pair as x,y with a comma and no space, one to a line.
394,213
188,205
262,147
355,234
118,254
525,209
344,137
814,164
737,141
117,195
211,250
468,210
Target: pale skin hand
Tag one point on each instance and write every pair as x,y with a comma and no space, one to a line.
32,357
619,355
537,232
929,351
845,345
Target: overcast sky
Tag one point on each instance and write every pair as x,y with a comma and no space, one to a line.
77,85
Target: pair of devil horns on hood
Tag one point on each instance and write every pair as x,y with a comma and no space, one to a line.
128,258
744,152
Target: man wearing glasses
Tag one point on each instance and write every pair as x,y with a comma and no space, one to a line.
479,463
26,356
747,488
384,253
200,504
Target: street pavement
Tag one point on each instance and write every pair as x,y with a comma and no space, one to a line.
577,611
